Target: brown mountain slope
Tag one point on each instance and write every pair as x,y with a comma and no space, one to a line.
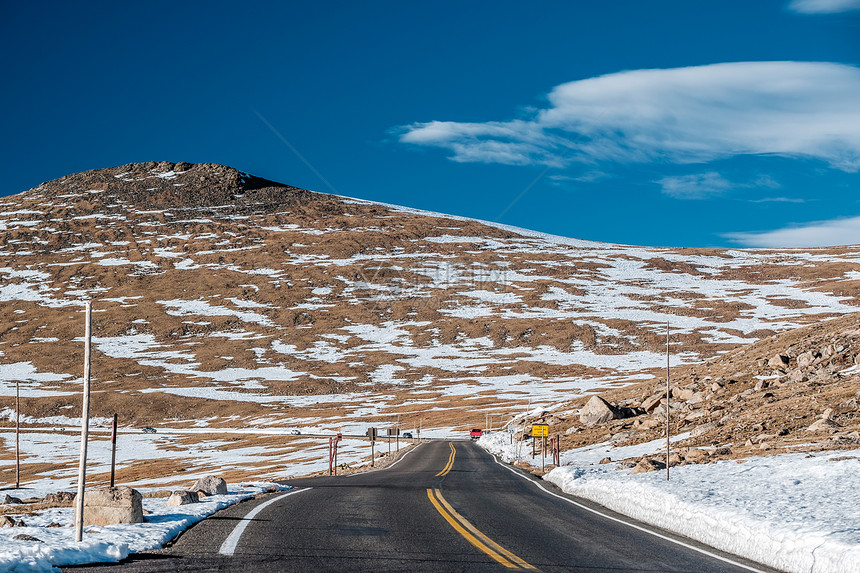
226,300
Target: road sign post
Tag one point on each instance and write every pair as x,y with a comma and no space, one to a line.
371,434
539,431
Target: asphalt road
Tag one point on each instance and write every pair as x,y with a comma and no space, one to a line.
446,506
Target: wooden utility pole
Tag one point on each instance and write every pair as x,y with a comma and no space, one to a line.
667,400
17,434
113,451
85,427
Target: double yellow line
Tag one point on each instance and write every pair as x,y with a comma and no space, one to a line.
450,463
469,531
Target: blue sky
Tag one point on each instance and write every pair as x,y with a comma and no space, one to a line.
723,123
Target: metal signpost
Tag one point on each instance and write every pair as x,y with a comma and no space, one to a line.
541,431
371,434
332,453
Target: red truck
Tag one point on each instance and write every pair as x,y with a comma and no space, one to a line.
475,433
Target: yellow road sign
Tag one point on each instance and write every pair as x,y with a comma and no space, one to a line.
540,430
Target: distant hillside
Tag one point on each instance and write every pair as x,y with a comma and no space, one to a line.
223,299
790,392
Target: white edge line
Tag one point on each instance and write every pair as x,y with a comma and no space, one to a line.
229,545
627,523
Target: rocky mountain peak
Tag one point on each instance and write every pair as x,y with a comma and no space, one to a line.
164,184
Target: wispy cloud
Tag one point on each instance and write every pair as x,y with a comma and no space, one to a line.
778,200
818,234
683,115
697,186
823,6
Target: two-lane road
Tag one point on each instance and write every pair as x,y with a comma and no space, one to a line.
445,506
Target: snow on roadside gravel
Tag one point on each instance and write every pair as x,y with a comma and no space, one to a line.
108,544
794,512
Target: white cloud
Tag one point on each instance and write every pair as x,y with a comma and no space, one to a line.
823,6
818,234
698,186
683,115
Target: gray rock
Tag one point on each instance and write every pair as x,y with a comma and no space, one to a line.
806,359
182,497
60,499
112,505
684,394
778,361
597,411
210,485
796,375
9,521
25,537
703,429
647,465
9,500
822,425
652,402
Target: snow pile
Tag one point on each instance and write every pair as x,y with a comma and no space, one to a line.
793,512
104,544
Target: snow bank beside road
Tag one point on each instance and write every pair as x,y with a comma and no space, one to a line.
793,512
107,544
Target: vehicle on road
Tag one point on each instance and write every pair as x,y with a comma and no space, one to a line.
476,433
407,435
149,430
295,433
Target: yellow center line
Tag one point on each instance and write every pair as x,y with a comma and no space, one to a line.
450,463
474,536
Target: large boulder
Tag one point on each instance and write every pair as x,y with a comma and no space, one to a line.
112,505
182,497
778,361
597,411
210,485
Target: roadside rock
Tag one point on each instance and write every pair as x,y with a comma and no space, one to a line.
9,500
113,505
60,499
25,537
210,485
182,497
647,465
8,521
